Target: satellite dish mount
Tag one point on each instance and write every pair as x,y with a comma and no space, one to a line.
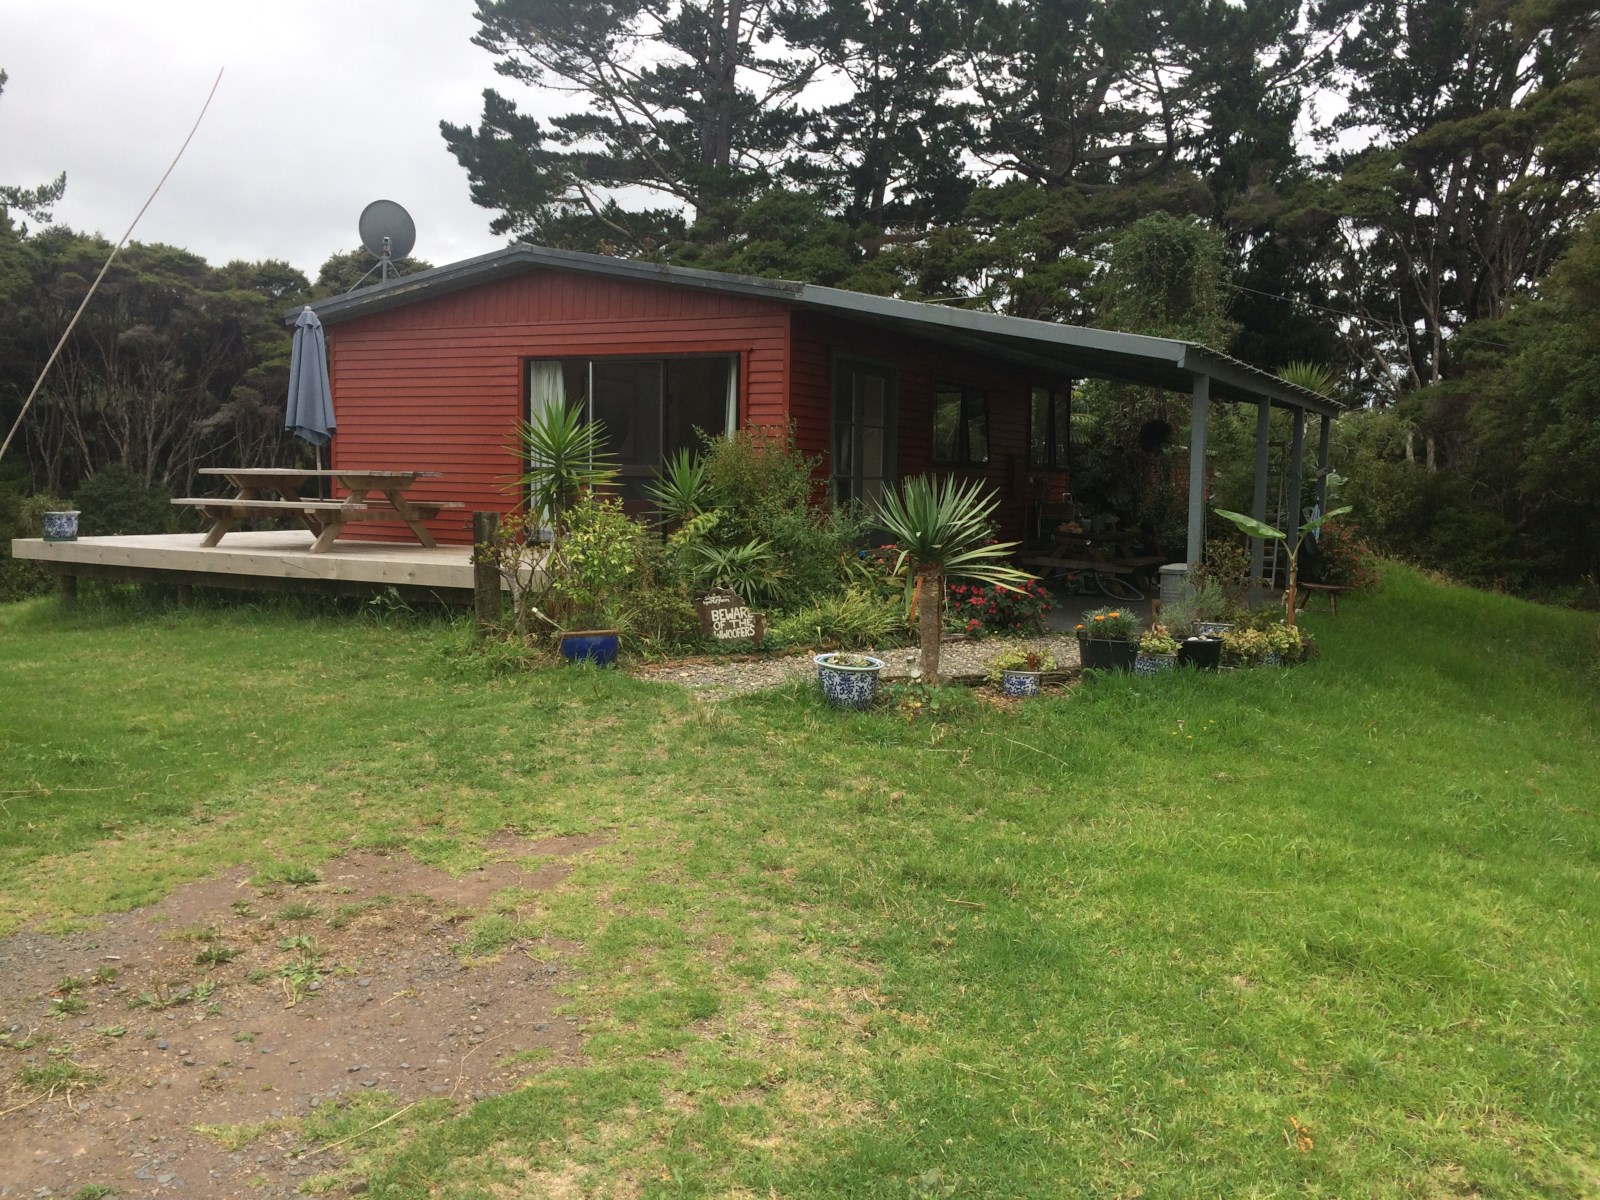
388,233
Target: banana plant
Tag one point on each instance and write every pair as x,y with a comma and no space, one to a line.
1260,529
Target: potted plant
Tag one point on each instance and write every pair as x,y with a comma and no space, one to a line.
1246,647
61,526
1213,610
1285,644
1019,672
1158,651
848,680
592,568
1108,639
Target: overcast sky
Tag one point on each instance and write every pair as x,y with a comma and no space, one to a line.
324,106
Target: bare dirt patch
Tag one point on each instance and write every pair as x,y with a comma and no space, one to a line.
250,1006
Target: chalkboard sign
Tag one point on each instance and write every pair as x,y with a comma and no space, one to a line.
726,618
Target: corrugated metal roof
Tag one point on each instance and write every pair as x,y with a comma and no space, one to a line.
1068,349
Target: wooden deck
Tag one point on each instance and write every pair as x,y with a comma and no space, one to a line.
259,561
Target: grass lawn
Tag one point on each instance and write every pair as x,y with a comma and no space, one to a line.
1329,931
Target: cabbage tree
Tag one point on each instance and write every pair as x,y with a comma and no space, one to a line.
942,529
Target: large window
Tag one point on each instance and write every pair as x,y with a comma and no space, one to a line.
650,407
960,427
1050,427
863,431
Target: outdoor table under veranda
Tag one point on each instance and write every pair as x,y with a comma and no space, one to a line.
275,492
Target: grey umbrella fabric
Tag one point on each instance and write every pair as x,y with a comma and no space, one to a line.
310,414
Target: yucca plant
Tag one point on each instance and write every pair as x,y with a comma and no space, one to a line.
943,531
1314,377
683,489
565,455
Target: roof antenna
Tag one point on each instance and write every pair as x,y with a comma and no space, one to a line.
388,233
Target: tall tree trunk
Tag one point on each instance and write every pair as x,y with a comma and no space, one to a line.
930,624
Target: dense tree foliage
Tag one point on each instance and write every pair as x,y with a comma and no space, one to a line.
1375,185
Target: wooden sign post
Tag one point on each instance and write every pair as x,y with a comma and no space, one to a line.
726,618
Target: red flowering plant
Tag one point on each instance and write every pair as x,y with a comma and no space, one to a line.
1344,559
977,609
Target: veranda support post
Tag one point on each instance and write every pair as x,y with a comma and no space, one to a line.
1324,445
1297,453
1258,506
1199,420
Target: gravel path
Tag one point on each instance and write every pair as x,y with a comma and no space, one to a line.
718,679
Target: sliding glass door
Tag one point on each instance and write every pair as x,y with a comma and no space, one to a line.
650,408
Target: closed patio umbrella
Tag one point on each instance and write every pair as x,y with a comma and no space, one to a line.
310,413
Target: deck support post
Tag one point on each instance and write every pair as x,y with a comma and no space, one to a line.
1297,453
1324,440
485,574
67,589
183,594
1258,506
1199,419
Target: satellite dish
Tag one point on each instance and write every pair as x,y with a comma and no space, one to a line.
387,230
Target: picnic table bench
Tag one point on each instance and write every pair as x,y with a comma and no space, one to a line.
255,487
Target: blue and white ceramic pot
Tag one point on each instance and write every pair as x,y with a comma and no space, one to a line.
848,680
1153,664
598,646
61,526
1213,629
1020,683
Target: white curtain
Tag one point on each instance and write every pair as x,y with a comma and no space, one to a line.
546,386
733,396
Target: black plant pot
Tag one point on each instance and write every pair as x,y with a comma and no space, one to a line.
1204,654
1100,654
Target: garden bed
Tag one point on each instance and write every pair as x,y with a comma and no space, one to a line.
962,661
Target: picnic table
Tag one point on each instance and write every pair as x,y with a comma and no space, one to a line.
275,492
1099,553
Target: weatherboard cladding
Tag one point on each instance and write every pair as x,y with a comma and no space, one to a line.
923,366
438,384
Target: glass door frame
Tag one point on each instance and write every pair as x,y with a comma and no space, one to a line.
846,369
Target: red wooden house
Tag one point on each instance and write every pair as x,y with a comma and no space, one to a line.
434,371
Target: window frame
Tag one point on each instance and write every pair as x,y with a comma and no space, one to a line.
1058,437
971,395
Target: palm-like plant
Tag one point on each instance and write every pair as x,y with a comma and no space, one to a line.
943,530
683,491
1314,377
565,455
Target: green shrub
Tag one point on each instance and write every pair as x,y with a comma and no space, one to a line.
115,501
767,491
852,619
22,517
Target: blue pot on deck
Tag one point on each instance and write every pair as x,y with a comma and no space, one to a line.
61,526
598,646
